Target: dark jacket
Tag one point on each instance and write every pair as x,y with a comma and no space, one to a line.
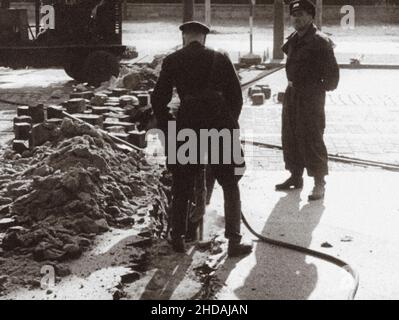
188,71
311,64
312,70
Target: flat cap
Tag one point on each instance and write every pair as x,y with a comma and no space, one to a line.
195,26
305,5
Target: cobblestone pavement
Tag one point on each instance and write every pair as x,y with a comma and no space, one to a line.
24,96
362,115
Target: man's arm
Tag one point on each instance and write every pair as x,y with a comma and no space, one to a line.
163,94
329,67
232,88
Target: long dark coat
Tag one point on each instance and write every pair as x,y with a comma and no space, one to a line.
188,70
311,71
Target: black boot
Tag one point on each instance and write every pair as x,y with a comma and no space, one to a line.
318,189
237,249
294,181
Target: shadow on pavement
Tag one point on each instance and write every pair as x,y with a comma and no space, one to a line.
170,272
281,273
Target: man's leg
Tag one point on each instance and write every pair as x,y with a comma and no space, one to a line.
232,210
318,189
316,160
295,180
310,140
292,156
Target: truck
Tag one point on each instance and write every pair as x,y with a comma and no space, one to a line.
82,36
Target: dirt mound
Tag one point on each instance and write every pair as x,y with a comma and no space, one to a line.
141,77
56,199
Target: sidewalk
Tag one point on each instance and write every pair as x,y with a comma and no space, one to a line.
358,218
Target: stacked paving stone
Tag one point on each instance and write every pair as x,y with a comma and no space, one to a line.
121,112
259,94
262,92
26,118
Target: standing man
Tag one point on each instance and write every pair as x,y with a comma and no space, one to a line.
311,71
193,70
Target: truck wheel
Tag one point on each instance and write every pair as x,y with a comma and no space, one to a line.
99,67
74,69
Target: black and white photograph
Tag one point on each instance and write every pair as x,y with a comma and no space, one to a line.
192,156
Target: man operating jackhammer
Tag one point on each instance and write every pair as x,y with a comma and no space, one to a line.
211,97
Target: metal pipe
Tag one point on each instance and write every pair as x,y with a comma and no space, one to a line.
336,158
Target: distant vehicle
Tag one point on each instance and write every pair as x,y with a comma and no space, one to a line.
82,36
